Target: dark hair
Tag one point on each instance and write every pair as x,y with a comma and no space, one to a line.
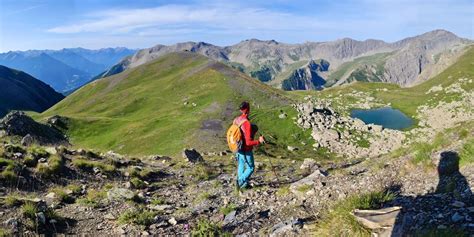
244,105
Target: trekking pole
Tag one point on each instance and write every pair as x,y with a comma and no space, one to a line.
270,160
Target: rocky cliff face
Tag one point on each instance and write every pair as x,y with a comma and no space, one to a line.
307,77
411,60
415,56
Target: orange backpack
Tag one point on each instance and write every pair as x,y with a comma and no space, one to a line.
235,137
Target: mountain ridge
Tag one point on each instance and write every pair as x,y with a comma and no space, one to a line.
20,91
253,55
65,69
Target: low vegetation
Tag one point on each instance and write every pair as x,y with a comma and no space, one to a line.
89,165
52,167
206,228
339,221
12,200
138,216
93,198
228,209
467,153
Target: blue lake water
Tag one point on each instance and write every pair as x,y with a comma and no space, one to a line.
387,117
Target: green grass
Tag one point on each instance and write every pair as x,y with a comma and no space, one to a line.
283,191
29,210
228,209
202,171
376,59
5,232
94,198
53,167
339,222
12,200
141,111
88,165
137,183
304,188
467,153
138,217
206,228
62,195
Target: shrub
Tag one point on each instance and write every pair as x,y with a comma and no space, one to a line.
9,175
138,217
6,162
228,209
62,195
52,167
93,198
304,188
206,228
467,153
30,161
283,191
88,165
29,210
12,201
10,148
422,153
158,201
5,232
137,183
38,152
202,172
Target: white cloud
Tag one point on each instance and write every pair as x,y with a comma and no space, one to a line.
184,16
227,23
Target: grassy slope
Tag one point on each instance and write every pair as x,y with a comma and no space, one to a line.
141,111
377,59
287,73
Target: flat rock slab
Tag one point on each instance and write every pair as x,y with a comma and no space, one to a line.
308,183
117,194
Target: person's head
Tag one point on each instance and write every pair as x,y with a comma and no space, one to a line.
245,107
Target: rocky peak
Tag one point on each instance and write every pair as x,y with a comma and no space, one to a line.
320,65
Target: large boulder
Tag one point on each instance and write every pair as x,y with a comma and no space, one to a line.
27,140
19,124
192,155
308,164
58,122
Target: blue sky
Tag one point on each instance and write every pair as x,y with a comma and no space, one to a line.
55,24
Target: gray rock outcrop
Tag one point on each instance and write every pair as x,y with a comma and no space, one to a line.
20,124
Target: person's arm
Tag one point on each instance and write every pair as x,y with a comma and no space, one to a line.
248,139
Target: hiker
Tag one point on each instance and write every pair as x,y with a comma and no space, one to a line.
244,155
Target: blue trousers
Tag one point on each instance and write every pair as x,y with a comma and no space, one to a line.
246,167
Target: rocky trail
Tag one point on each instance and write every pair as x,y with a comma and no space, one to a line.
162,195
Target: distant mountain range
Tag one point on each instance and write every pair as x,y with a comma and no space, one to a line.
20,91
292,66
65,69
